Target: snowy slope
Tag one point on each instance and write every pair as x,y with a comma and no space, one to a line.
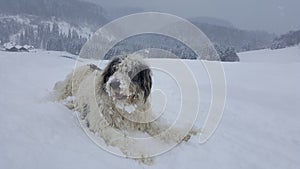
260,127
31,20
285,55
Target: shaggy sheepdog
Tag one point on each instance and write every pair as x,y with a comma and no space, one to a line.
114,99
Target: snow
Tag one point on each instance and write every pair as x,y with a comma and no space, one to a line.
18,18
64,27
9,45
285,55
260,126
82,30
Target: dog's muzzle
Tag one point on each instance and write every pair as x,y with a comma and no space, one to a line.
115,84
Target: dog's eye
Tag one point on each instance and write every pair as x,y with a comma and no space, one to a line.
114,67
136,78
130,74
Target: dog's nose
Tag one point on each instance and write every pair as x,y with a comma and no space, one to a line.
115,84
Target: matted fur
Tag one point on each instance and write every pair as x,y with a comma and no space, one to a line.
100,109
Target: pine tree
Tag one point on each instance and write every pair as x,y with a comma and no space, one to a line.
55,30
22,38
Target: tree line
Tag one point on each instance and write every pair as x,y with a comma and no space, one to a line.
50,37
291,38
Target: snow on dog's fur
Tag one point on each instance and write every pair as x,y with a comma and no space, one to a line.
115,99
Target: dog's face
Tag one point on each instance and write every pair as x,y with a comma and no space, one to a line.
127,80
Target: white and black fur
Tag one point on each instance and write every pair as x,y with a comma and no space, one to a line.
136,74
120,93
115,99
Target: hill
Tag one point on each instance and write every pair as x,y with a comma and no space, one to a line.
73,11
291,38
240,40
212,21
66,26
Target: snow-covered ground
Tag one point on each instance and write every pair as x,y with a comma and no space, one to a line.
285,55
260,127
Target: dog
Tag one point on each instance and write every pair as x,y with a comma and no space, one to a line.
115,102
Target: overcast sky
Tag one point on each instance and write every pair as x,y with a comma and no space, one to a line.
277,16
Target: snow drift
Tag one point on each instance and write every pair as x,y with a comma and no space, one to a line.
260,126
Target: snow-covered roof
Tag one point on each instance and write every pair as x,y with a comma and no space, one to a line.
28,47
18,46
9,45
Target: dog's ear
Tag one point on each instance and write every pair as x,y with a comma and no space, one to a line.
110,69
147,83
144,80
